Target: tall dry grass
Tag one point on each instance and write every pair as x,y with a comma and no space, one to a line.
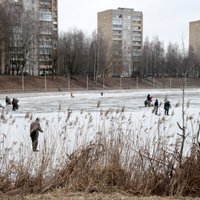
121,155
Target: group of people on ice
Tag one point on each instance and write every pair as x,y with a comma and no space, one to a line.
13,102
148,103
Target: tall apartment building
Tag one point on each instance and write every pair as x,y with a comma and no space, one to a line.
123,30
194,36
34,36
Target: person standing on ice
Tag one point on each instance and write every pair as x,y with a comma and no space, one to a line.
156,107
167,106
35,128
7,100
15,104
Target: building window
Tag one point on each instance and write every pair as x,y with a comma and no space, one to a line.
46,16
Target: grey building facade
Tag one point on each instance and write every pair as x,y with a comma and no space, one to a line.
33,36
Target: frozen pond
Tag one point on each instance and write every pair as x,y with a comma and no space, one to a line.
69,122
132,100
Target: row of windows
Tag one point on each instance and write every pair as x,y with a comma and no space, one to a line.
28,1
137,18
116,22
126,26
138,43
127,33
127,17
135,28
45,16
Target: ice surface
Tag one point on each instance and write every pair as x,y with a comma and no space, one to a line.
71,122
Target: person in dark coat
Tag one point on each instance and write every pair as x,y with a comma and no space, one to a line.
15,104
35,128
8,101
148,101
156,107
167,106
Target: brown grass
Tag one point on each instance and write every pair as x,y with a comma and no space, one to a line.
60,194
61,83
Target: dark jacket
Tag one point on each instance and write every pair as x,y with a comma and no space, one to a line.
156,103
8,101
167,105
35,127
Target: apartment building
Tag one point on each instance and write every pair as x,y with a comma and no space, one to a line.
4,36
122,29
34,36
194,36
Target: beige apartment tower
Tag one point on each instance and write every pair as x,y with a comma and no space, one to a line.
194,36
122,29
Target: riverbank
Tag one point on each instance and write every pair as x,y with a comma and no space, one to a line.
11,84
64,195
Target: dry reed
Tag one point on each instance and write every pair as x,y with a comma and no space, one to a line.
117,157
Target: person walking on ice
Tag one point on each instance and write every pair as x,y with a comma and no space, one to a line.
35,128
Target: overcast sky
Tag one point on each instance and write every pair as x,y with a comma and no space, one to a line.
167,19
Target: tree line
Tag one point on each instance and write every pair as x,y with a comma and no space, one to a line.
76,53
81,55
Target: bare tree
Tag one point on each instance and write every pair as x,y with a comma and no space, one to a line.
99,56
22,34
153,56
192,64
47,48
174,60
28,40
182,127
73,46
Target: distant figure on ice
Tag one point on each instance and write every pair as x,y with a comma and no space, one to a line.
72,96
15,104
156,107
149,98
35,128
167,106
8,101
148,101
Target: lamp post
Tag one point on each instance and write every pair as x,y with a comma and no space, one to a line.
45,81
69,83
120,82
137,82
103,81
22,81
87,82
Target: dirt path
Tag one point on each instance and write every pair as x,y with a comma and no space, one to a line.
61,195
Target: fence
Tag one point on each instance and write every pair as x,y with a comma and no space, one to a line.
102,83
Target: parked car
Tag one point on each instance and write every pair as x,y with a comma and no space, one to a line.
116,75
43,73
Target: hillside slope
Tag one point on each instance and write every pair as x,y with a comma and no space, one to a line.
40,83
